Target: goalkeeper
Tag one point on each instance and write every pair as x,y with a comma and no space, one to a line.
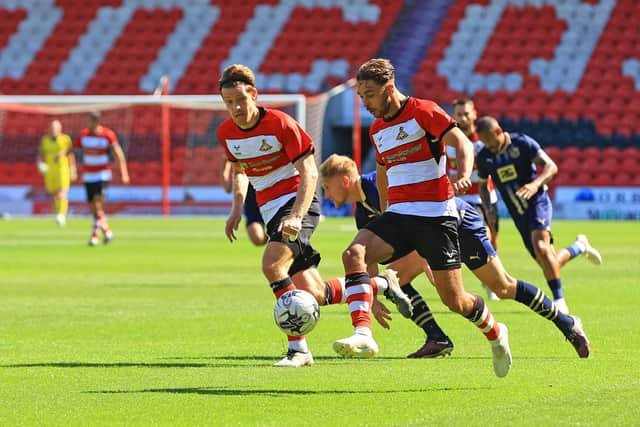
58,168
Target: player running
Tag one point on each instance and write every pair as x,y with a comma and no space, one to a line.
511,159
342,184
95,143
269,149
465,114
409,136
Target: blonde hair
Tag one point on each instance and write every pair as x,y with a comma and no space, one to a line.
336,164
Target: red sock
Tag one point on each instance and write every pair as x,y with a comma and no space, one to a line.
359,297
483,319
282,286
336,291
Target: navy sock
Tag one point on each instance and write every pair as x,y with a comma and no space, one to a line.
422,315
556,288
536,300
574,250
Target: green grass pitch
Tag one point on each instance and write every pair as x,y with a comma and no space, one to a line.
172,325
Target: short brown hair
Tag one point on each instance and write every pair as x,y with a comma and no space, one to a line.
380,70
336,164
486,124
464,100
236,74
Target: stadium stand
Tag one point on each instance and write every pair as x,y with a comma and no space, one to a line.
567,73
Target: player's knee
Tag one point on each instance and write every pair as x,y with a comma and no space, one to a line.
353,255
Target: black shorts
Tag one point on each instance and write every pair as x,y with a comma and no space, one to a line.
95,188
304,255
434,238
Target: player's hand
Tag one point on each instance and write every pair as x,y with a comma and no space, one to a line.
527,191
462,185
73,173
42,167
290,227
381,313
232,226
125,178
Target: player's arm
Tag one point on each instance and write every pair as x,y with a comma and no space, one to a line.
40,163
549,169
239,186
122,162
382,183
489,208
306,167
227,175
455,138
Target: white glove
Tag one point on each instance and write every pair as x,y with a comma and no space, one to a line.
42,167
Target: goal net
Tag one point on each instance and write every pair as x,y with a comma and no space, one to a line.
173,155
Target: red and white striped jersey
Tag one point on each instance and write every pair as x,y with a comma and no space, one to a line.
473,194
95,153
411,149
267,152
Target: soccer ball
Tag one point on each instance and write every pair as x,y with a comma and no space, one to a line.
296,312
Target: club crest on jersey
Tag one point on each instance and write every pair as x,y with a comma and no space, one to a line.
401,134
514,152
236,149
264,146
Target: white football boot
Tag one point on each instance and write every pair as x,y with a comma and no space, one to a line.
395,294
357,345
93,241
591,253
295,359
490,294
501,352
61,220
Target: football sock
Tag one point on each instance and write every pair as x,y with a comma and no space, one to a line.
422,315
298,343
282,286
64,207
483,319
56,206
574,250
104,225
335,291
556,288
359,297
536,300
378,285
96,227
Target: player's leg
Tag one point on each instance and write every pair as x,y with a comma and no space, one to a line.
541,241
492,234
437,343
256,233
580,247
282,260
437,241
92,190
253,219
375,243
507,287
62,206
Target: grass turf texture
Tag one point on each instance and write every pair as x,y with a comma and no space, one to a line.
172,325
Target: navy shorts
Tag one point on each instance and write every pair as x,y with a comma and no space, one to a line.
536,217
434,238
476,248
95,189
304,255
250,209
480,209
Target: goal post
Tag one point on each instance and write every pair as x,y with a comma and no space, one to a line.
169,140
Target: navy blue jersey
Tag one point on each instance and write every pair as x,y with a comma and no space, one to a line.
512,169
370,207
